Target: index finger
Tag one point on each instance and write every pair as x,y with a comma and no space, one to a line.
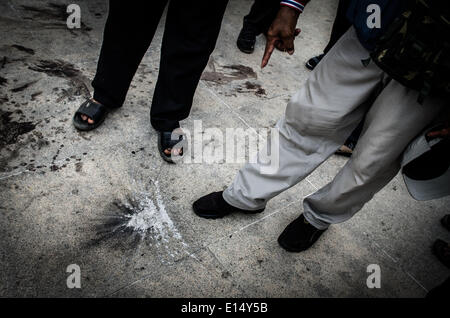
270,46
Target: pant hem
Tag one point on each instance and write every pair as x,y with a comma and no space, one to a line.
165,126
314,222
104,100
231,202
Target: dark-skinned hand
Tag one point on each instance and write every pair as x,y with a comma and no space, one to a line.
281,33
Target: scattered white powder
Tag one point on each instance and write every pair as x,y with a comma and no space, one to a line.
151,217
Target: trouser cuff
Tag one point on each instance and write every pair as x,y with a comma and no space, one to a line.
318,224
165,125
233,202
105,100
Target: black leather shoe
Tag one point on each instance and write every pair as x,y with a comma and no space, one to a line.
247,39
299,235
440,292
213,206
312,62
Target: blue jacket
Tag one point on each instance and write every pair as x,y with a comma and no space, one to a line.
357,14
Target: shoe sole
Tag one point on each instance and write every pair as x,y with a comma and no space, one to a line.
289,249
214,216
243,50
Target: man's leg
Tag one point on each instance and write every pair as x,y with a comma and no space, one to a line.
318,119
128,33
190,35
261,15
340,25
392,122
257,21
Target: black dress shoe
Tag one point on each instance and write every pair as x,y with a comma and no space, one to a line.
312,62
247,39
440,292
299,235
213,206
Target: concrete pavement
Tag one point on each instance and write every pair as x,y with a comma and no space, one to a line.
68,197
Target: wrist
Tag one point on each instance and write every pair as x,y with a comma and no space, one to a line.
287,11
294,5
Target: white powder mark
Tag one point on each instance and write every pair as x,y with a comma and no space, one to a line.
150,219
153,218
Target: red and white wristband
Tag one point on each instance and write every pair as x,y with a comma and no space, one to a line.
293,4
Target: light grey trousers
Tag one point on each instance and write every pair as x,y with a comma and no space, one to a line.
319,118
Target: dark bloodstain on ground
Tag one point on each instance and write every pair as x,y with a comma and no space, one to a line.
23,49
60,68
36,94
10,130
22,87
252,87
78,166
236,72
54,15
3,62
241,71
57,68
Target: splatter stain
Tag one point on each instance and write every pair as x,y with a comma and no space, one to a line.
228,73
22,87
78,166
141,218
10,130
57,68
36,94
252,87
23,49
4,61
60,68
54,16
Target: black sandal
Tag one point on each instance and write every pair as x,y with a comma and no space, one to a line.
442,251
445,221
344,153
95,111
165,142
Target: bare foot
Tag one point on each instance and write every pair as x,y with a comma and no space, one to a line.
345,149
176,152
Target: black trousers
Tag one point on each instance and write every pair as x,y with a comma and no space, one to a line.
261,15
340,25
190,35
